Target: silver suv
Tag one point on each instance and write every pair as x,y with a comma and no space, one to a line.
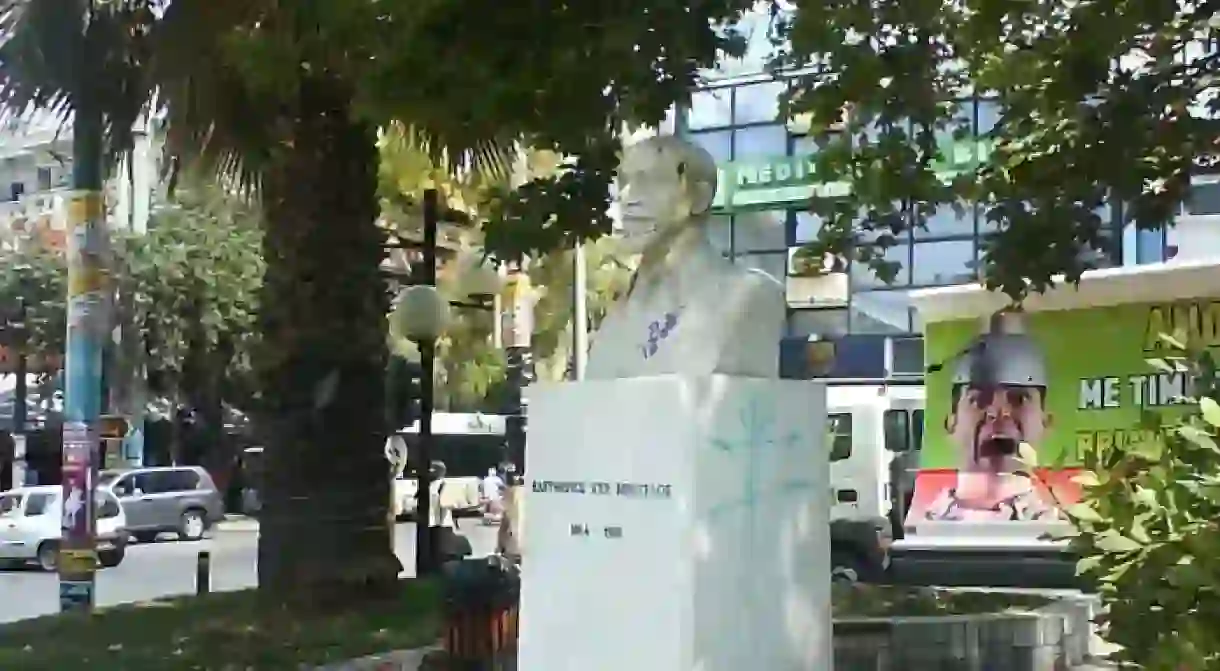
178,499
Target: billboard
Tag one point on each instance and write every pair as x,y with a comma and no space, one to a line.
1060,381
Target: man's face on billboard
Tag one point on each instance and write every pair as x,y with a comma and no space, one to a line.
988,424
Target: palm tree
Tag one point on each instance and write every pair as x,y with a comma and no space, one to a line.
255,92
285,97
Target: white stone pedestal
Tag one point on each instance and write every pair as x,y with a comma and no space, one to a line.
676,524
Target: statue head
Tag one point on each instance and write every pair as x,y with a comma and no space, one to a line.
665,184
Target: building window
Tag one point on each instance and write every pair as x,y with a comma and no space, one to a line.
839,427
759,231
885,311
945,221
44,179
880,312
987,115
943,262
760,142
710,108
1150,245
1204,199
16,190
717,143
720,233
863,276
805,227
757,103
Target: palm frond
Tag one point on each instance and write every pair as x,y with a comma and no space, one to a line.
56,53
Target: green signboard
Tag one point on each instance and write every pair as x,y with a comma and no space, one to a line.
762,184
1059,381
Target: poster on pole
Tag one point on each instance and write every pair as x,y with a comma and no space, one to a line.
77,555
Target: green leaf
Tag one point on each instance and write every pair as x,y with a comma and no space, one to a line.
1089,564
1027,455
1198,437
1138,533
1172,341
1150,450
1114,543
1086,479
1162,365
1210,410
1146,497
1082,512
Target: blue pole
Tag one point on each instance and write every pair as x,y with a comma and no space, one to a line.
89,298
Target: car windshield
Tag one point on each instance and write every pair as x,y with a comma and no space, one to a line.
107,477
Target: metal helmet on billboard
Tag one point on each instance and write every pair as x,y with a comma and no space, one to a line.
1004,355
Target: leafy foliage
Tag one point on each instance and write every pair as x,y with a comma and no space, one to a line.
38,278
194,281
1099,103
607,278
1148,532
190,284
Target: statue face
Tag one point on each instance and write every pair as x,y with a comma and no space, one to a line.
653,194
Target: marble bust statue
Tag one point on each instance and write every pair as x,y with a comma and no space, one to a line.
689,310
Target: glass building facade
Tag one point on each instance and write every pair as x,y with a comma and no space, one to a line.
737,123
735,116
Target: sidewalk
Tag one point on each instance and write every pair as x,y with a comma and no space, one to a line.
241,523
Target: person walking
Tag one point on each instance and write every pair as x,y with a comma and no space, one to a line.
491,491
448,544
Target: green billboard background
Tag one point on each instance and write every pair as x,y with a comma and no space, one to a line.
1088,352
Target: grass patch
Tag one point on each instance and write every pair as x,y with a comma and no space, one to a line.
861,600
221,632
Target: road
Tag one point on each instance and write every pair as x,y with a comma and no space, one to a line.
167,568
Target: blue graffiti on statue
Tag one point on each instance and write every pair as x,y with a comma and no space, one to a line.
658,331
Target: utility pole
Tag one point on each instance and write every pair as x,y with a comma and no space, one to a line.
580,312
518,353
20,394
89,297
425,553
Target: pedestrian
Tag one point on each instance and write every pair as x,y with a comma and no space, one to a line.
492,494
447,543
508,542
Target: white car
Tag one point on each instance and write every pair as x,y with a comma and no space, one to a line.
30,527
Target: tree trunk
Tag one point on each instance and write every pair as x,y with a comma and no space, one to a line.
325,523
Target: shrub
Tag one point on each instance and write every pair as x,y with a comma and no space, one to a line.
1147,528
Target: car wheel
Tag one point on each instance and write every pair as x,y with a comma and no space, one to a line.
192,525
111,558
48,556
848,567
145,536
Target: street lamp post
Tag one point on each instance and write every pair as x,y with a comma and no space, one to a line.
420,314
20,394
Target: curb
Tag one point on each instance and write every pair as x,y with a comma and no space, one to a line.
398,660
1055,635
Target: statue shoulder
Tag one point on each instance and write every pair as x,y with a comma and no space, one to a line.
757,287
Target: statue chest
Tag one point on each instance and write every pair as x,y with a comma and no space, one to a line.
663,335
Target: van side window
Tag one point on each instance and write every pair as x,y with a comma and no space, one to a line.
917,430
838,428
897,431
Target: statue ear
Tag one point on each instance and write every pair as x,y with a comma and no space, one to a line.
701,195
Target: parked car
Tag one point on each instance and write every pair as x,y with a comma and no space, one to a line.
30,527
168,499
